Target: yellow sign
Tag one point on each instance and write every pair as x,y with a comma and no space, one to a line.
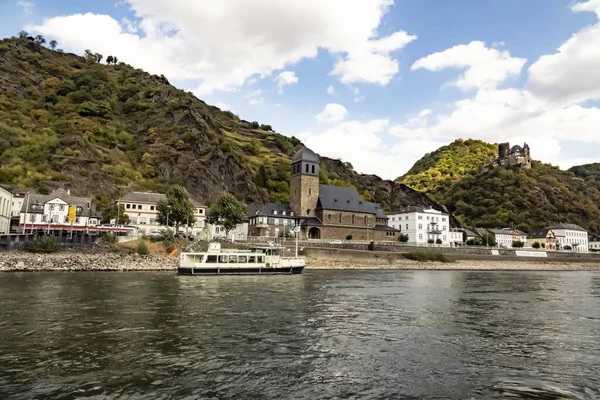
72,212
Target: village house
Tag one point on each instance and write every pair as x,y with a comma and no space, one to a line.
332,212
594,242
51,211
423,225
270,220
570,237
141,208
6,200
17,205
457,237
505,237
545,237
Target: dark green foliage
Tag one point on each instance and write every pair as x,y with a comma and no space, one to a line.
266,128
536,245
403,238
371,246
430,241
255,125
438,241
226,211
44,244
142,248
518,244
487,240
349,237
589,172
178,209
425,257
109,238
567,247
525,199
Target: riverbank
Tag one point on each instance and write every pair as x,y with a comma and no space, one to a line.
78,262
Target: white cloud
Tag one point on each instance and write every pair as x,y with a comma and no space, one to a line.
332,113
330,90
285,78
485,67
177,38
255,97
27,6
357,96
571,75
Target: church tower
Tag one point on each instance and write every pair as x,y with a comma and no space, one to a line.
304,182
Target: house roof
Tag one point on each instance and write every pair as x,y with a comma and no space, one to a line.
310,221
385,228
419,209
539,234
514,232
340,198
269,208
378,211
469,232
571,227
150,197
305,154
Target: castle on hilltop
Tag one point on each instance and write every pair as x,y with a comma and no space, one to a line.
510,157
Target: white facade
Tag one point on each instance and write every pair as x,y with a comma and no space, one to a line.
141,208
571,235
17,204
456,237
6,200
594,244
240,232
506,237
422,225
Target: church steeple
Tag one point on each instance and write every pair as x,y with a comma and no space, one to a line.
304,182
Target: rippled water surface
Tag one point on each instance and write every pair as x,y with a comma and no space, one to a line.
320,335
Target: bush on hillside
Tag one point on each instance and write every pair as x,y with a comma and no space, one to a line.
425,257
142,248
349,237
110,238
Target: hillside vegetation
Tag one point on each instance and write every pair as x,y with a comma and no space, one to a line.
103,129
590,173
436,172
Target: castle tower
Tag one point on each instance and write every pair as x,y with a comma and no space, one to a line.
304,182
503,149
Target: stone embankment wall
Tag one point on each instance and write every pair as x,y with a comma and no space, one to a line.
75,261
18,242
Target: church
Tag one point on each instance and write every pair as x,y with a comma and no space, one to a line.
326,211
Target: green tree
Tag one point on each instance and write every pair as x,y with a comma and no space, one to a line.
403,238
518,244
110,213
109,59
488,240
39,39
23,35
438,241
53,44
178,209
255,125
226,211
536,245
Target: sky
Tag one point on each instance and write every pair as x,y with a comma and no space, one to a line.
377,83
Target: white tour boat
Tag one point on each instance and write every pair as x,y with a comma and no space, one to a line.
265,260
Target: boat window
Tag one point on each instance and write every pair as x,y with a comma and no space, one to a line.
223,259
211,259
232,259
252,259
242,259
199,259
261,259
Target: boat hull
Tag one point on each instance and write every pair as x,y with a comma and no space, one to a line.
241,271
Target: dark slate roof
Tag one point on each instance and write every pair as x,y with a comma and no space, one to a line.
305,154
481,231
150,197
310,221
385,228
378,210
269,208
539,234
339,198
571,227
41,199
469,232
516,148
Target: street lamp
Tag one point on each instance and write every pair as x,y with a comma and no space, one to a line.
168,212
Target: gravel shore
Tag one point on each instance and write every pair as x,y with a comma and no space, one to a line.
73,261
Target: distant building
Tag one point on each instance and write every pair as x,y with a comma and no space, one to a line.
505,237
271,220
594,242
141,209
457,237
51,211
545,237
17,205
6,200
332,212
511,156
570,235
422,225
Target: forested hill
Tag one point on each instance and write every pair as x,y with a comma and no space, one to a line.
503,197
103,127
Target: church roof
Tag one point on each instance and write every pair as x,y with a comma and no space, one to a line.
305,154
516,149
339,198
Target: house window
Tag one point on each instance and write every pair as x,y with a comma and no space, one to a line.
51,207
329,217
420,226
142,221
420,217
366,219
217,229
66,218
92,221
308,211
353,219
79,209
139,206
313,169
274,212
283,213
309,191
152,208
306,168
32,218
128,206
407,226
420,236
61,207
44,218
276,221
340,218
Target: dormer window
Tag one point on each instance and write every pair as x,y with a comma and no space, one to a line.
292,213
283,213
274,212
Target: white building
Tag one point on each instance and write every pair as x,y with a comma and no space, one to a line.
422,225
505,237
594,242
51,211
457,237
570,235
143,214
6,200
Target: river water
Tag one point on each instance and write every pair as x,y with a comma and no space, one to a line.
319,335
